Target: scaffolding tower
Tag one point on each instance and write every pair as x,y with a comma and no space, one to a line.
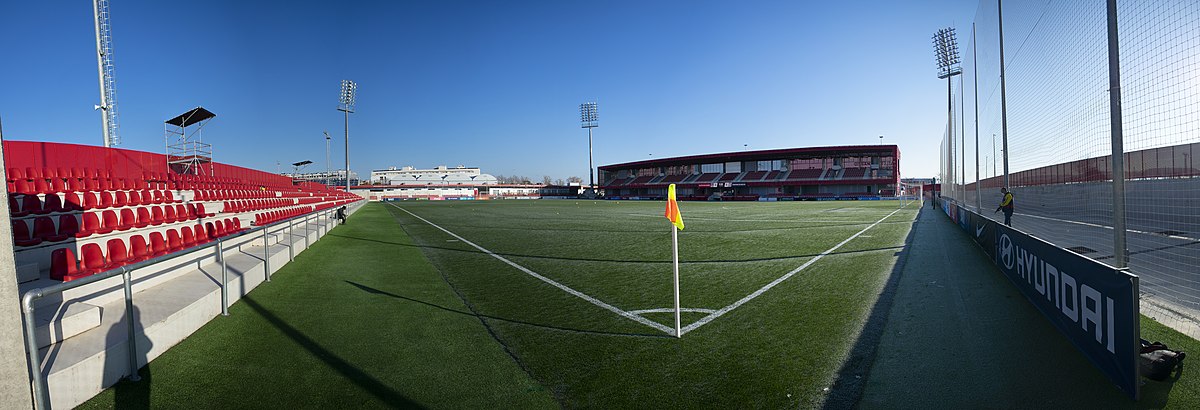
187,154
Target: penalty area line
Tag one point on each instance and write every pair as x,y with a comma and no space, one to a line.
775,282
628,315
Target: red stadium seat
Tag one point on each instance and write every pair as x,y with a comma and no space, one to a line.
90,201
31,204
111,222
53,204
128,220
78,173
24,187
14,208
120,199
91,224
43,228
143,217
156,216
203,235
72,202
93,259
21,235
15,174
169,215
220,227
33,173
91,184
169,197
106,200
191,211
153,197
68,226
200,212
49,173
237,224
41,186
135,199
58,185
104,184
63,264
139,250
189,240
117,253
174,242
158,245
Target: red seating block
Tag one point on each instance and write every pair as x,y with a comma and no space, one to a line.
63,264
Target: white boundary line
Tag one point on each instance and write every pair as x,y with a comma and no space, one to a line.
1110,228
629,315
671,310
775,282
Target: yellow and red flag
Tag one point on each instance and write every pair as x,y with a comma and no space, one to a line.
672,213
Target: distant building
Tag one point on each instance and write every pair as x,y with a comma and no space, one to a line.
440,175
330,178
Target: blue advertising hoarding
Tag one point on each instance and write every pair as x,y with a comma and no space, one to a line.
1093,304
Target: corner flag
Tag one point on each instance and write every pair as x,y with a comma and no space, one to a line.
672,213
676,219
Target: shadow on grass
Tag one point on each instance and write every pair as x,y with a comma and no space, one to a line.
351,372
662,262
372,290
852,377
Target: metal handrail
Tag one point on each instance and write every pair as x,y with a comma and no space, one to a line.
41,394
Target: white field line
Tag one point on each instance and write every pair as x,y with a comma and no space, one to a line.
775,282
671,310
1109,227
551,282
696,218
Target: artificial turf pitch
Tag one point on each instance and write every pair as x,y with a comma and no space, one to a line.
391,311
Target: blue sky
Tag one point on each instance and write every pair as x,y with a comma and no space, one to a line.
488,84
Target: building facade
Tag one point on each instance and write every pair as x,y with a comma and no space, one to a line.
794,173
440,175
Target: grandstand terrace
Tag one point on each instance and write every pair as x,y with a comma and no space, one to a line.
462,191
81,211
814,173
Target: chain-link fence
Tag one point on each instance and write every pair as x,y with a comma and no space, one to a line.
1045,128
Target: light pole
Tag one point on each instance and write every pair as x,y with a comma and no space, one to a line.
880,140
588,119
346,105
327,168
945,47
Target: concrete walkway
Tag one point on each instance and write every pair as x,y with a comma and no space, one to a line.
959,335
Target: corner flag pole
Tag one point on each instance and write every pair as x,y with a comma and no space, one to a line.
675,265
672,213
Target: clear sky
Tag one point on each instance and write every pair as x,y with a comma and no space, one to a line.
492,84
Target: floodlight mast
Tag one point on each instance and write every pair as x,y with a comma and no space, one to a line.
346,105
588,119
945,48
327,165
104,63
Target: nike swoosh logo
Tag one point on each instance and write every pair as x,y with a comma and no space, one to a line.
979,231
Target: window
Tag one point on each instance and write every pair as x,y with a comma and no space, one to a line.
711,168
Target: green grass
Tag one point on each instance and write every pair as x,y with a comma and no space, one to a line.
359,320
779,350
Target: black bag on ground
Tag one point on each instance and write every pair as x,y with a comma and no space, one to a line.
1156,361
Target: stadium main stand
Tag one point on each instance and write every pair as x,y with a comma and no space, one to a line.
814,173
78,211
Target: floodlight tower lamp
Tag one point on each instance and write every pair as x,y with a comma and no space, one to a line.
589,119
346,102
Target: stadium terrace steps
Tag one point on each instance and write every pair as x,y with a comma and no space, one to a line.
170,304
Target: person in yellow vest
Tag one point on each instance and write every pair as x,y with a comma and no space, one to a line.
1006,205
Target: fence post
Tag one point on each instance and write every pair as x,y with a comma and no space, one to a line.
306,240
41,395
224,279
291,240
266,255
1118,145
129,317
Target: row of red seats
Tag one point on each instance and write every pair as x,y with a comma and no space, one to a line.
43,186
227,194
31,204
65,267
274,216
44,229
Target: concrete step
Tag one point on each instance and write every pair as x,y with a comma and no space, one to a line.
56,325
